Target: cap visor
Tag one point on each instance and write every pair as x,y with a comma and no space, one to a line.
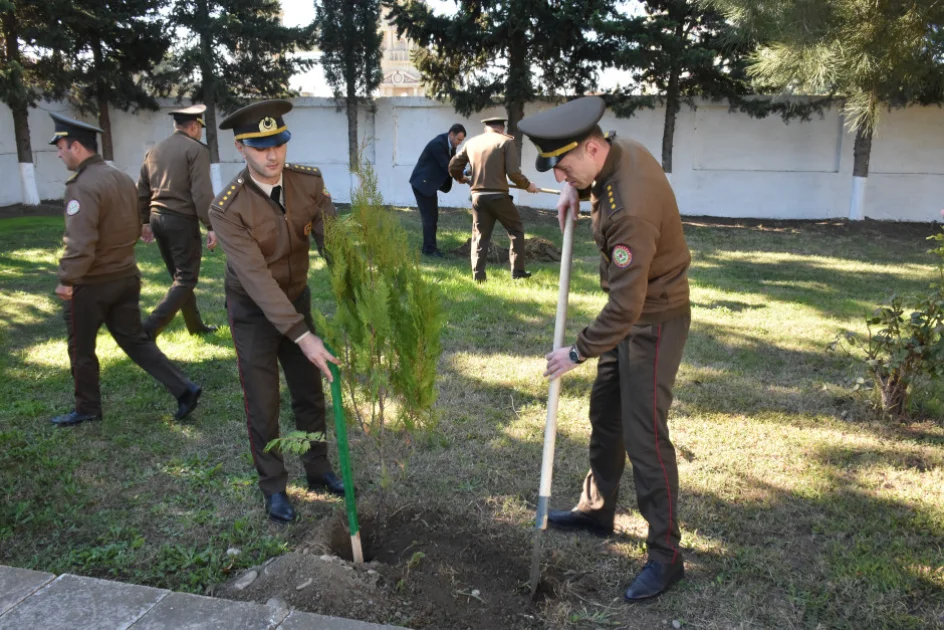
544,164
268,141
55,139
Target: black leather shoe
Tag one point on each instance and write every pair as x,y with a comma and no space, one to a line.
205,330
188,401
74,417
575,520
328,481
279,508
654,579
520,275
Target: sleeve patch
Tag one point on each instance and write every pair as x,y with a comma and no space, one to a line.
622,256
73,207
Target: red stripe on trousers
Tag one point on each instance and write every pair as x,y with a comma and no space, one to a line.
655,428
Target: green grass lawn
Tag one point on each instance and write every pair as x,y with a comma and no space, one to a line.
798,509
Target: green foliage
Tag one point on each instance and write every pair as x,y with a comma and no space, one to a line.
388,320
231,51
486,52
870,52
349,39
295,443
906,344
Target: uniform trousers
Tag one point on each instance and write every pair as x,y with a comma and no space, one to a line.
486,210
260,348
178,238
629,406
429,215
115,304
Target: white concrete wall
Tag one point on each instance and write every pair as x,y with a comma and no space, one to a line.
724,164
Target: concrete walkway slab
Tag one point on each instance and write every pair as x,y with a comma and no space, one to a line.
309,621
179,611
18,584
80,603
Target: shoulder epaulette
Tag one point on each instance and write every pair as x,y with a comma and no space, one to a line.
74,177
301,168
228,193
611,200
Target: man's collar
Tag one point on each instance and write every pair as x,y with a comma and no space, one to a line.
265,188
609,168
92,159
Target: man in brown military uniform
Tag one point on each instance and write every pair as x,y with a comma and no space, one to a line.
99,280
174,192
639,335
494,159
263,220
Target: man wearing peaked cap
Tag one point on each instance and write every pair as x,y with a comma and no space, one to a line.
264,220
493,158
640,334
174,195
99,281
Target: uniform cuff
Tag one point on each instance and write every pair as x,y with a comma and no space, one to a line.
303,335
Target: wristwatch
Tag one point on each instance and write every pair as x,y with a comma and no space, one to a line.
575,355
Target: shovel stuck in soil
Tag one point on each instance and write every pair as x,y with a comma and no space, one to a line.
550,425
344,454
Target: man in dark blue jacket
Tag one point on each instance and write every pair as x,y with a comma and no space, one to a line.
430,175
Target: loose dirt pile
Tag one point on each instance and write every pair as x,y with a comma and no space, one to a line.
535,249
420,572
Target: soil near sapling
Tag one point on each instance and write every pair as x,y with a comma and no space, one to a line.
420,571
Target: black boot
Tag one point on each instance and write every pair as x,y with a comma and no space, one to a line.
576,520
187,401
654,579
328,481
74,417
279,508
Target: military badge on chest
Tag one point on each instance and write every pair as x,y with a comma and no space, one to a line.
622,256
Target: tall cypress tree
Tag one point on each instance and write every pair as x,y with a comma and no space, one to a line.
683,50
486,53
27,78
234,50
349,39
116,45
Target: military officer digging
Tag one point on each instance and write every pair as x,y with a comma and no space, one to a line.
264,219
640,334
99,281
174,195
493,158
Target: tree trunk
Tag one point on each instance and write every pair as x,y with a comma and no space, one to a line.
351,106
209,94
860,172
101,94
671,113
19,107
518,85
672,91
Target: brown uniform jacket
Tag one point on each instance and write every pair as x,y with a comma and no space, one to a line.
493,157
175,177
266,250
644,257
102,225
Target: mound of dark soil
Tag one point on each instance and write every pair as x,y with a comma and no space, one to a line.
536,250
420,572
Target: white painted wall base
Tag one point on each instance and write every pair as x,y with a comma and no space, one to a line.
215,178
857,200
28,182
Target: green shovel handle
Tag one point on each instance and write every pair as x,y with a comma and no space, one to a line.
344,450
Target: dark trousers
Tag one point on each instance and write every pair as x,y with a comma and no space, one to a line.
260,348
629,406
115,304
178,238
486,210
429,215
